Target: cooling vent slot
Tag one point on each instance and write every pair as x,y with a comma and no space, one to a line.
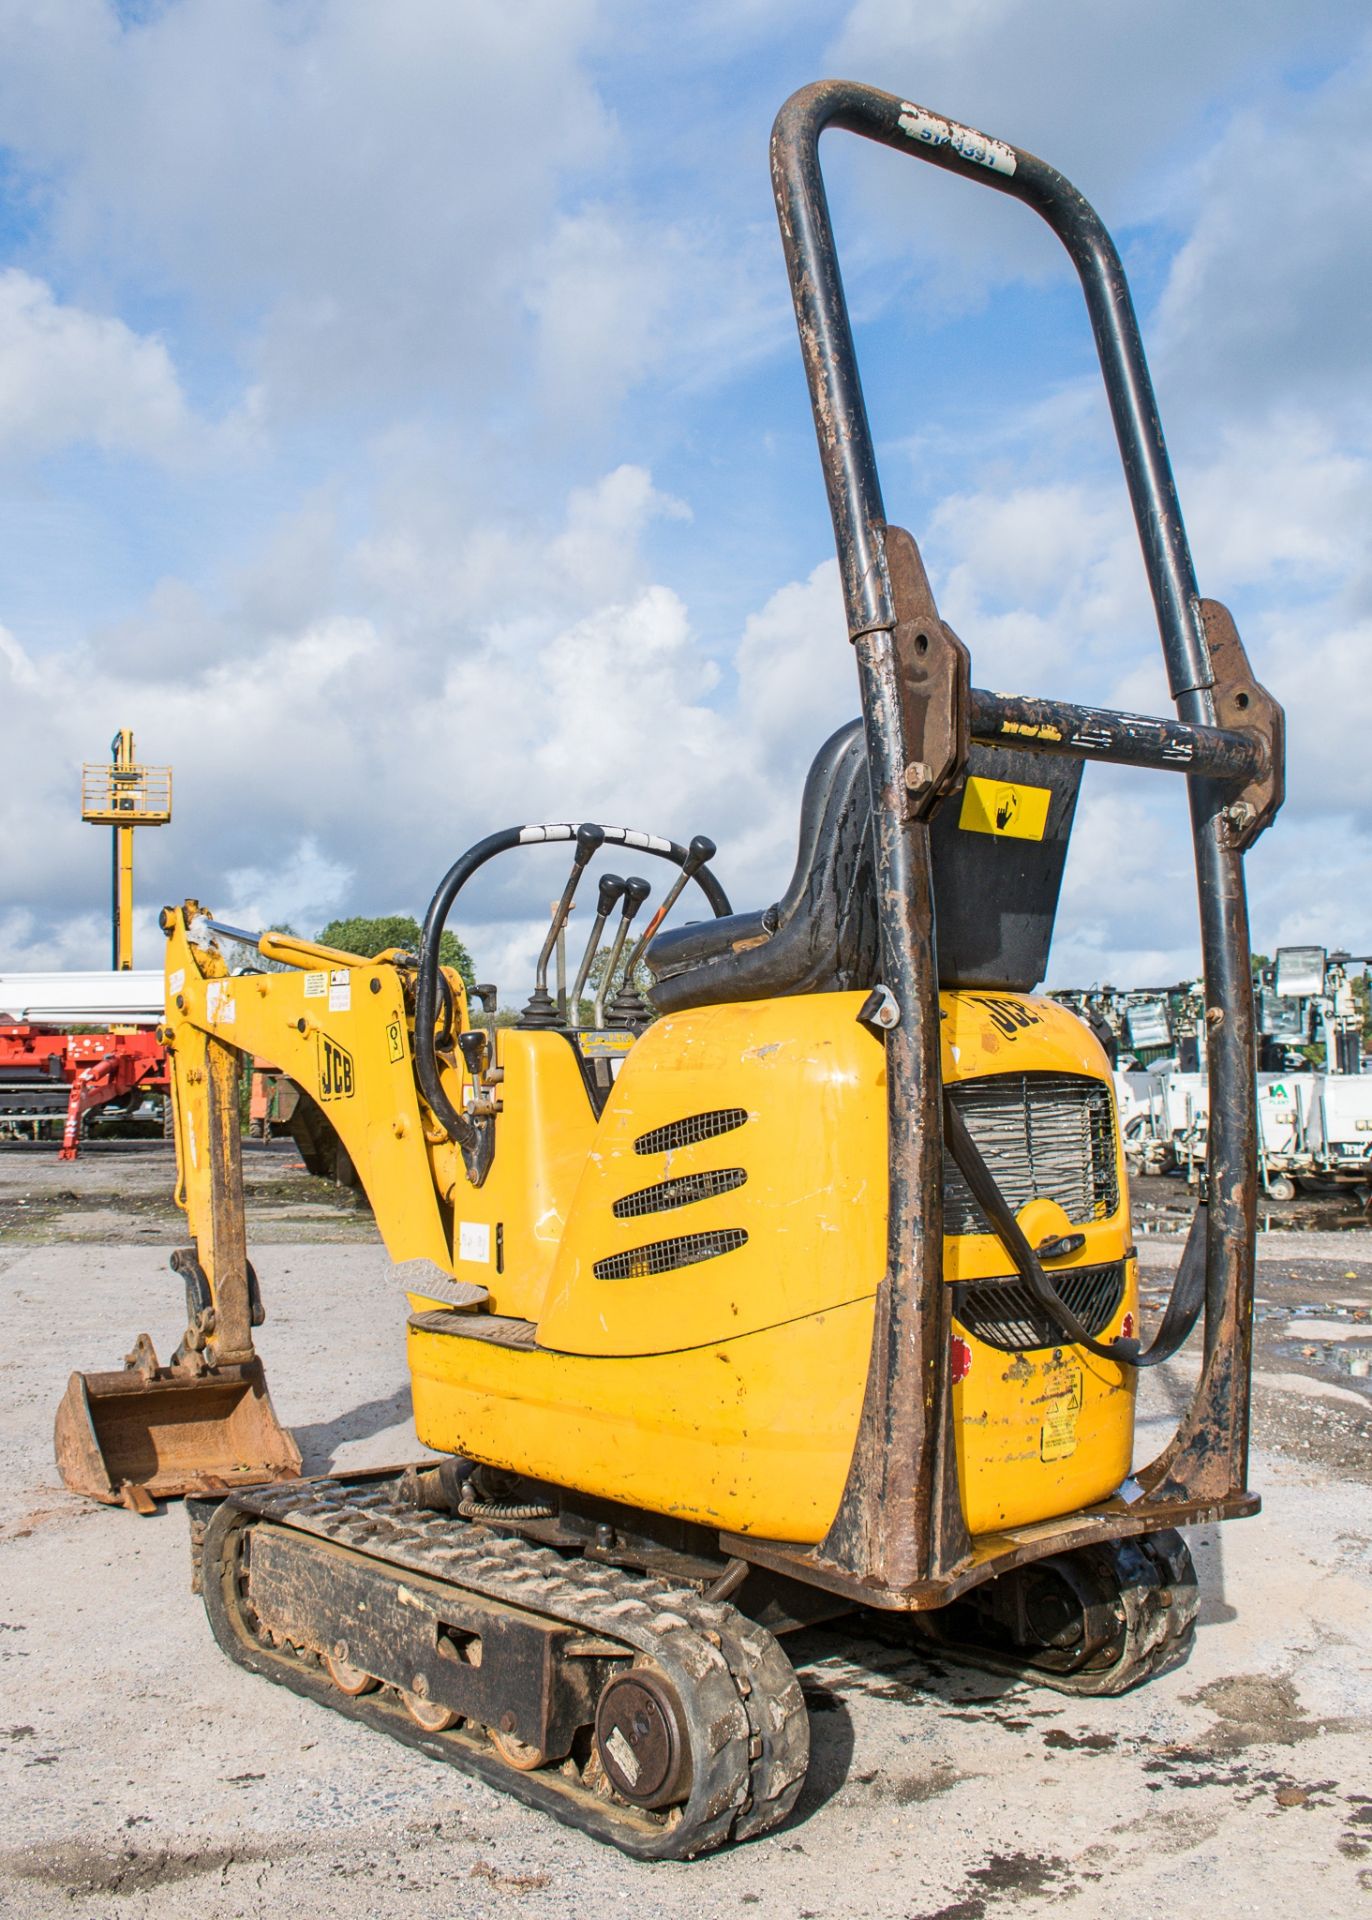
1044,1136
679,1192
1005,1314
691,1131
665,1256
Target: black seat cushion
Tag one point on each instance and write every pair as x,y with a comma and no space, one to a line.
995,895
821,936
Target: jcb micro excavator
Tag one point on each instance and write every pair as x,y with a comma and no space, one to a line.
809,1287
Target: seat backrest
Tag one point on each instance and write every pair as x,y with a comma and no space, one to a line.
998,848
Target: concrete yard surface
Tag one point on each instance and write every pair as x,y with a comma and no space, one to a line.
141,1774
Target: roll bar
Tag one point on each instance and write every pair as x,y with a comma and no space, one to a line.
898,1536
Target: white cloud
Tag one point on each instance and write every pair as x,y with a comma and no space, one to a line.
303,891
369,185
69,377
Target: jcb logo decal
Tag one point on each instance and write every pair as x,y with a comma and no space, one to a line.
335,1070
1011,1016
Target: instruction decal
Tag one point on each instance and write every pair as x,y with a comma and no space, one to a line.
316,985
336,1077
474,1241
1008,809
395,1041
221,1009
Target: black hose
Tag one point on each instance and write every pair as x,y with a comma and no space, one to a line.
460,1127
1188,1289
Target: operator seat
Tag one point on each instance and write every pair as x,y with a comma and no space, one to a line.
995,895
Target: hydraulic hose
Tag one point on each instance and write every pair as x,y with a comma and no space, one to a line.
461,1127
1188,1289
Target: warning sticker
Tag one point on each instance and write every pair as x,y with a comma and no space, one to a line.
316,985
340,990
1009,810
598,1044
1058,1436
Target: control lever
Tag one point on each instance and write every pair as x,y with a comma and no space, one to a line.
636,891
611,890
541,1010
698,853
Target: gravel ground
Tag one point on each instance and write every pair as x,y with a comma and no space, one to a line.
143,1775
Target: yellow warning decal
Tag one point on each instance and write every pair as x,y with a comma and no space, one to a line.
1058,1437
1008,809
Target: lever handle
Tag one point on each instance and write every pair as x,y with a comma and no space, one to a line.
611,887
636,891
589,840
701,850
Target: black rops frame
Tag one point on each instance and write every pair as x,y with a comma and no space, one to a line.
898,1539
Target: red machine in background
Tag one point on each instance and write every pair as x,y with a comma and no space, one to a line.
74,1042
45,1072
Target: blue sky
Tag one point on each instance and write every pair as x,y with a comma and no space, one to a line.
402,428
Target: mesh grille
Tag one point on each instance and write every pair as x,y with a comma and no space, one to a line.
1044,1136
679,1192
664,1256
1005,1314
691,1131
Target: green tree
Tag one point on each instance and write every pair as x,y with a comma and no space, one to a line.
372,935
1362,994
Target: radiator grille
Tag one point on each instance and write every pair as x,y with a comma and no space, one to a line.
691,1131
679,1192
1005,1314
664,1256
1044,1136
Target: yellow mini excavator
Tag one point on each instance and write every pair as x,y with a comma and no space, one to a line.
805,1285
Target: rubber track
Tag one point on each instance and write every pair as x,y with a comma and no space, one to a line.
1159,1597
749,1732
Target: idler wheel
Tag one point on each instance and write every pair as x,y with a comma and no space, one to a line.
641,1738
345,1676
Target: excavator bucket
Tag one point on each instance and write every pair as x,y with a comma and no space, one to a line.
150,1433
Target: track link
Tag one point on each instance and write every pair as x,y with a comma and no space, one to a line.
746,1721
1151,1581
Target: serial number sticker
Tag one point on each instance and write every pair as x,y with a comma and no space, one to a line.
1058,1435
340,990
474,1241
1008,810
316,985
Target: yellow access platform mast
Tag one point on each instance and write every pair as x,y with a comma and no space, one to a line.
124,795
